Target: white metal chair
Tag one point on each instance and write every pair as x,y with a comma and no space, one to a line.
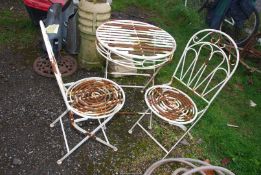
207,63
89,98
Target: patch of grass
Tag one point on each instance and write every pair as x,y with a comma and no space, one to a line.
240,145
16,29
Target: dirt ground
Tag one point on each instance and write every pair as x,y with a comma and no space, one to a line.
28,104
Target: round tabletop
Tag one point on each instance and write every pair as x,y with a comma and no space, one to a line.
135,44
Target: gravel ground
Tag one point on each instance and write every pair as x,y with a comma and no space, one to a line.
29,103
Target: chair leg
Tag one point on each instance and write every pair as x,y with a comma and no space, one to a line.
184,128
156,141
150,122
61,116
182,137
135,124
70,151
103,131
174,146
104,127
106,142
153,138
155,72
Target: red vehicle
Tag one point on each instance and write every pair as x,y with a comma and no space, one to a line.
37,9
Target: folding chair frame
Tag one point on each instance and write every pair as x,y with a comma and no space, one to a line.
87,134
191,78
103,118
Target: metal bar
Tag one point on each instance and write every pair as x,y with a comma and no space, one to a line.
64,136
181,138
125,73
96,138
131,86
68,84
104,134
152,78
81,119
56,120
84,140
130,131
131,113
155,140
106,68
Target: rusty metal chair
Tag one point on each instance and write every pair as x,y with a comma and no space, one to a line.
207,63
92,98
187,166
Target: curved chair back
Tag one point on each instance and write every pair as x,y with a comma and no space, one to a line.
52,59
207,63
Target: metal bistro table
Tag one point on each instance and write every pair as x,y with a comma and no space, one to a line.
134,45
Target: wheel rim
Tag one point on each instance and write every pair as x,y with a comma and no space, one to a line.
240,32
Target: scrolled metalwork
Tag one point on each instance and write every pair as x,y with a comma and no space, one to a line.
95,97
171,104
207,63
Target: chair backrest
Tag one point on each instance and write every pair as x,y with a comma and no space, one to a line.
52,59
207,63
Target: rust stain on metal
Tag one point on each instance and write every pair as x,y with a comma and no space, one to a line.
92,136
142,36
71,118
171,104
54,65
143,47
96,97
131,27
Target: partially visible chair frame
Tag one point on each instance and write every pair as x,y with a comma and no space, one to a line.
195,73
91,98
188,166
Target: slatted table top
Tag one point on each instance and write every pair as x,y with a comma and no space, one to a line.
136,40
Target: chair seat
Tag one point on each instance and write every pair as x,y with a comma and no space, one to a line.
171,104
95,97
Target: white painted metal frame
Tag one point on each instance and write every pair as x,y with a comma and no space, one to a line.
66,89
186,2
140,46
188,166
198,77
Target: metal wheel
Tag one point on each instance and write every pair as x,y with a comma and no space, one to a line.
243,33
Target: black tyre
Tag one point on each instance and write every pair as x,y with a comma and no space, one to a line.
36,15
242,34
